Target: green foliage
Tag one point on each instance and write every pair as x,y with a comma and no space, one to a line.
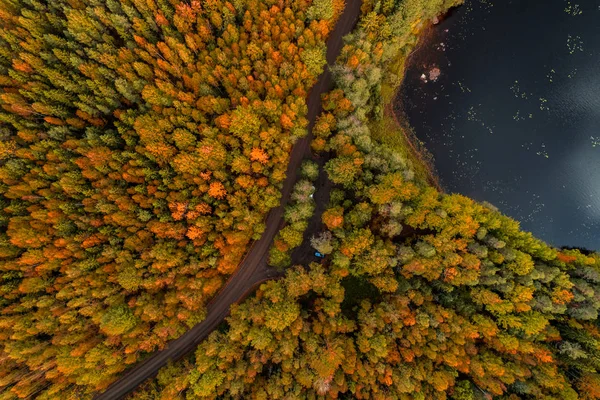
278,258
129,194
463,391
118,320
280,315
297,214
142,144
314,59
206,383
291,236
321,9
244,122
343,170
310,170
442,296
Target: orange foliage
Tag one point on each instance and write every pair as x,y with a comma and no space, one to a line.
22,66
589,386
562,296
565,257
54,121
258,154
217,190
223,121
178,210
333,218
286,122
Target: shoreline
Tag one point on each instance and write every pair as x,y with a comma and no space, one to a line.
422,159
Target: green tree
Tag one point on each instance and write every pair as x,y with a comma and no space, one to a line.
118,320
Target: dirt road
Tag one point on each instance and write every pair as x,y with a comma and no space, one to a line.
254,269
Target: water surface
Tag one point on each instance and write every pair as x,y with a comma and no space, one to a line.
514,117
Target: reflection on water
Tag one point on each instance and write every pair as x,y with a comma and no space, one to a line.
514,116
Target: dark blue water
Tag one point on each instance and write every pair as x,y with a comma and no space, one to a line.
514,117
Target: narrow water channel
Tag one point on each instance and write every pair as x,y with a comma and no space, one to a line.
514,116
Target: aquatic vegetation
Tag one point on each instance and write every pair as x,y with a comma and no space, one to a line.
518,117
574,43
573,9
463,88
517,92
473,116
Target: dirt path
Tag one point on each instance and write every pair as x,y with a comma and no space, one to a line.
254,269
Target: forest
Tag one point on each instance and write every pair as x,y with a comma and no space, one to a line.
423,295
143,143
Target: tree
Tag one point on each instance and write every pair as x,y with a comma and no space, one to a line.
343,170
142,146
303,191
217,190
310,170
333,218
322,242
118,320
321,9
314,59
291,236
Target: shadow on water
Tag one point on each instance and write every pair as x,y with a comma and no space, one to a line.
510,110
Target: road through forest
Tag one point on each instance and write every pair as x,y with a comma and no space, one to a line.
254,269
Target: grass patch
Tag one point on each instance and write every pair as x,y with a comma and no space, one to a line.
396,69
388,132
395,132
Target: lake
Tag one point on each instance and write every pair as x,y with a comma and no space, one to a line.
514,116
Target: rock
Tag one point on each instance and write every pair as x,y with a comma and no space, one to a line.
434,74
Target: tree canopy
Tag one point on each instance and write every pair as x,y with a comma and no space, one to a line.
455,300
141,145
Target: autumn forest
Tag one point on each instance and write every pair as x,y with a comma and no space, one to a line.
143,145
